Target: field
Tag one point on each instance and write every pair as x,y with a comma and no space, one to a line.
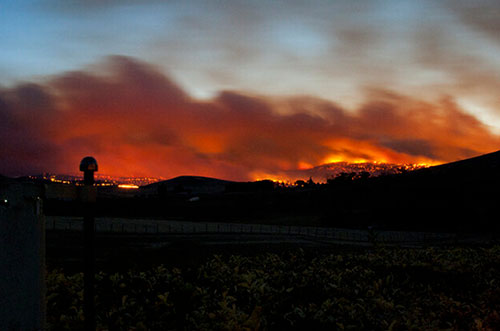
455,288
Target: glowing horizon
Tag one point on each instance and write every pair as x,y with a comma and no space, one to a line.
287,177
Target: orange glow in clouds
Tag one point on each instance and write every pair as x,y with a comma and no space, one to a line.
137,122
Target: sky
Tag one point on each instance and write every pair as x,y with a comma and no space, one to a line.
245,89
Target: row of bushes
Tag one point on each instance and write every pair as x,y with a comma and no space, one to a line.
385,289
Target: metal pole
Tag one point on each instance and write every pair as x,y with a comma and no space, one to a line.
88,197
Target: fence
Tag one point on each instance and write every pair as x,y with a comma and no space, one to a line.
135,226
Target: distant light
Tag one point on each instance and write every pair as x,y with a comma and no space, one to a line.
128,186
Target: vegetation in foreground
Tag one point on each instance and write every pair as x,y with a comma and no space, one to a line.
384,289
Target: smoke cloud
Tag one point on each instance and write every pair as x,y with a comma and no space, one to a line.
136,121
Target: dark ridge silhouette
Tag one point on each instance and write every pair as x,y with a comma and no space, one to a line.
190,180
490,160
192,185
475,168
187,185
457,196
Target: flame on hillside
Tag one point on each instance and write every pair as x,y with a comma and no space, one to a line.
322,173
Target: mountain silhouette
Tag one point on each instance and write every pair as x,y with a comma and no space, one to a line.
475,168
456,196
187,184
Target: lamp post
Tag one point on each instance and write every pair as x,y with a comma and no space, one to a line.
88,197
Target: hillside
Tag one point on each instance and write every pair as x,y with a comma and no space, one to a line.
186,184
483,166
461,195
191,181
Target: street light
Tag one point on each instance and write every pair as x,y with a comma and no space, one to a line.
88,197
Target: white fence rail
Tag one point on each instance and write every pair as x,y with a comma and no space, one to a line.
136,226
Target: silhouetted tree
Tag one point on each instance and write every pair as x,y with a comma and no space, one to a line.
300,183
363,175
402,170
342,178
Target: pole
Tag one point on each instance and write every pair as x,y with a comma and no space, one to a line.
88,197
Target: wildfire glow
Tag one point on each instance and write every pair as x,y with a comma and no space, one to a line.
304,165
128,186
159,130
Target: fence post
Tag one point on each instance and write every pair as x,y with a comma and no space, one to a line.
89,165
